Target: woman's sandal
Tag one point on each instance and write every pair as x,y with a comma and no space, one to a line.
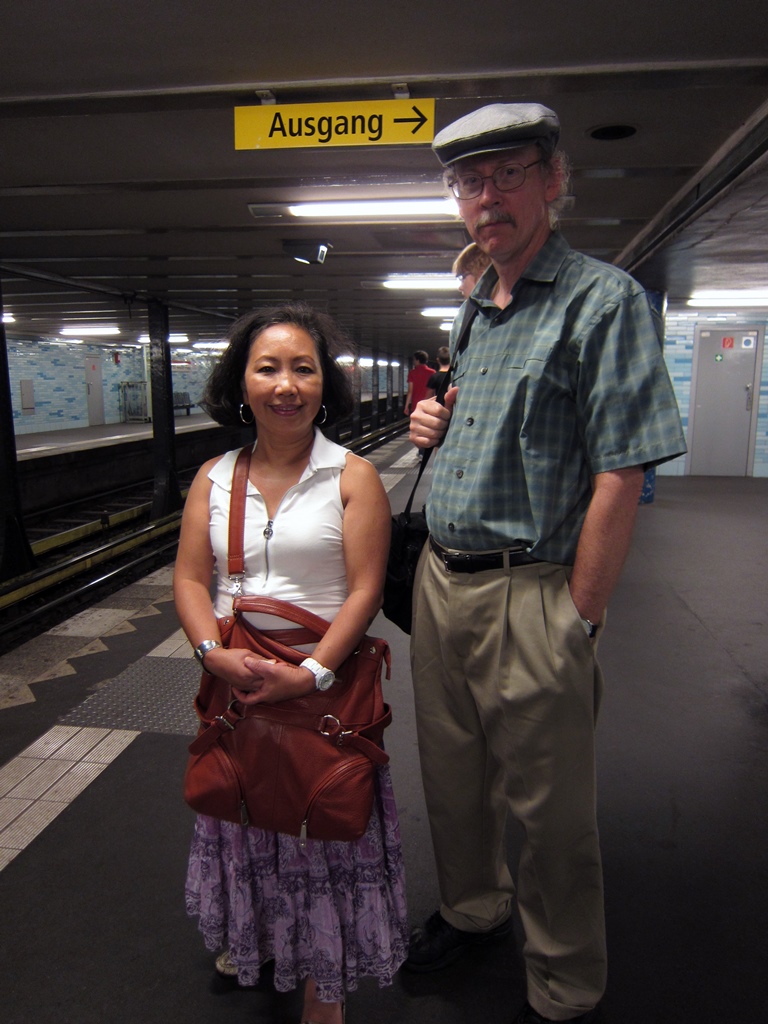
224,965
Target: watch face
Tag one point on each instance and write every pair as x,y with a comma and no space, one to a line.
324,679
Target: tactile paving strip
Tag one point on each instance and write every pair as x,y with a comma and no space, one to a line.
152,695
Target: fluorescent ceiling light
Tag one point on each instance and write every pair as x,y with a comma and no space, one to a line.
345,360
365,362
210,346
9,318
366,209
174,339
713,297
89,331
441,311
447,325
754,303
423,282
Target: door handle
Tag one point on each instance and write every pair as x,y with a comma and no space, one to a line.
748,389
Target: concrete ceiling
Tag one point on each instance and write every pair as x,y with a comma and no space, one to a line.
118,168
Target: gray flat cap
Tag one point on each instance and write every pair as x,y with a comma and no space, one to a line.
496,127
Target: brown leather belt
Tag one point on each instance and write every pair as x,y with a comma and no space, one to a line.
454,562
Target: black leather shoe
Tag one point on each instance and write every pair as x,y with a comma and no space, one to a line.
438,943
529,1016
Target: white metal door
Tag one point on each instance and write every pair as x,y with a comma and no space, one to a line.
95,391
723,403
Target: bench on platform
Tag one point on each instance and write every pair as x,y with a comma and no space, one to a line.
181,401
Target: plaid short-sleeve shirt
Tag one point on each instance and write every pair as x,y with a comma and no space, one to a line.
568,381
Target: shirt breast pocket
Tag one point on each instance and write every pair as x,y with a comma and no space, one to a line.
528,356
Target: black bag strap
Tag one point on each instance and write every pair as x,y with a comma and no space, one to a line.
445,383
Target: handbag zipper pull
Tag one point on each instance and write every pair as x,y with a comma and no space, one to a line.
243,814
303,835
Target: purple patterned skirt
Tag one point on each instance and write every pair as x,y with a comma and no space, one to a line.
332,911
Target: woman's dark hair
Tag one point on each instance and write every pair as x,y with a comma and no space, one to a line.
224,391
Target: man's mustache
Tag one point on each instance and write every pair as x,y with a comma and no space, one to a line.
488,217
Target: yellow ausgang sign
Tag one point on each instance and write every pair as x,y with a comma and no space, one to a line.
304,125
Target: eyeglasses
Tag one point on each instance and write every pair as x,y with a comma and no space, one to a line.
506,178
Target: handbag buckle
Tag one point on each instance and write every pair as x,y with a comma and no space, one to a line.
334,729
223,720
329,730
237,583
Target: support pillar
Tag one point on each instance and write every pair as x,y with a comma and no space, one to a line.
167,494
16,555
375,390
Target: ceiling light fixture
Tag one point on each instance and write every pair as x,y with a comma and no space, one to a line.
441,311
174,339
9,318
306,252
89,332
422,282
730,297
374,209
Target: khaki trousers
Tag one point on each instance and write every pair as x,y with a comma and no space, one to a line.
507,688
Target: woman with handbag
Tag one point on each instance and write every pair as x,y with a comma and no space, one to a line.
317,524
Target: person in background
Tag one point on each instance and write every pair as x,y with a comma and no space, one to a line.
444,366
562,398
417,381
469,266
317,535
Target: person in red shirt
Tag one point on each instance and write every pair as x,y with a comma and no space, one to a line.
417,381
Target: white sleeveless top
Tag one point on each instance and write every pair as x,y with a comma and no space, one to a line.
298,556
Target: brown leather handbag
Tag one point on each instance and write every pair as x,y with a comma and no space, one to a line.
305,767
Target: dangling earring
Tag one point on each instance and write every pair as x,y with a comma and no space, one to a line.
244,420
319,423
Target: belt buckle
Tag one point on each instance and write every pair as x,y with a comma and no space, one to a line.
455,561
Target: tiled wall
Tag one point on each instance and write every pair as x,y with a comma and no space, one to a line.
57,371
761,442
678,352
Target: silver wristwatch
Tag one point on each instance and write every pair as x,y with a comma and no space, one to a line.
590,627
204,648
324,678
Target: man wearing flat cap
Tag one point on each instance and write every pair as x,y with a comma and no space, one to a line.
560,399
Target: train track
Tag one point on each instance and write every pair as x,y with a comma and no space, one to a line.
88,551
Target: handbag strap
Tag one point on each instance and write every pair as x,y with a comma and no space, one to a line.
283,610
445,383
236,547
